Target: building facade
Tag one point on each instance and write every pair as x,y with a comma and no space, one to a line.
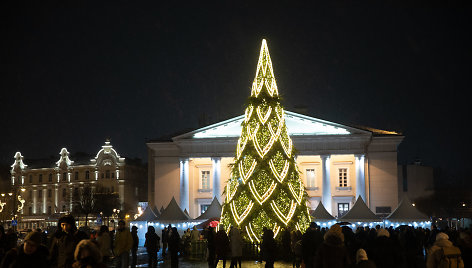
338,163
47,187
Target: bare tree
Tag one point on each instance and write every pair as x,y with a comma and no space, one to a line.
84,202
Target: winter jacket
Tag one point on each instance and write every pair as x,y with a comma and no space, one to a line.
17,258
236,243
123,242
332,253
63,247
434,253
222,244
152,243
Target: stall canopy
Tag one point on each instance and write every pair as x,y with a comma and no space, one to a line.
173,213
406,212
321,214
360,213
213,211
149,214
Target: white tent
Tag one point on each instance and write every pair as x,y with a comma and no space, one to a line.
149,214
213,211
360,214
322,217
407,214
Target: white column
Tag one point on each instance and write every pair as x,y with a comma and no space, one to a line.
216,161
34,201
360,177
184,184
326,198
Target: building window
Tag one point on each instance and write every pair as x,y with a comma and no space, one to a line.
49,193
30,178
205,179
204,208
30,194
103,175
30,211
107,174
64,193
40,178
342,177
113,175
50,177
76,175
40,193
343,208
64,176
87,175
310,177
49,210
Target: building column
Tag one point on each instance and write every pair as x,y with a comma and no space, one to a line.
184,184
326,198
360,177
216,162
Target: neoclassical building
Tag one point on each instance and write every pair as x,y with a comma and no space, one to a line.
338,163
46,186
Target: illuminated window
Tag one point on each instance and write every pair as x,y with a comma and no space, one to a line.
76,175
343,208
87,175
40,178
204,208
342,177
205,180
310,177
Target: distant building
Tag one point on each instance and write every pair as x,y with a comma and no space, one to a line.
47,186
337,164
415,180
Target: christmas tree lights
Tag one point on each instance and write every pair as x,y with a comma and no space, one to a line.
265,189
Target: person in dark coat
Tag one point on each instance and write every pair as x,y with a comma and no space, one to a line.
362,261
134,248
152,245
210,236
222,246
384,252
64,242
174,247
332,253
30,254
268,248
165,236
311,240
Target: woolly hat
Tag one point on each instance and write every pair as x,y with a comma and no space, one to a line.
34,237
335,229
361,255
382,232
442,236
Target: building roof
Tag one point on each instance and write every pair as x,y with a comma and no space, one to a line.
321,214
360,212
149,214
173,212
213,211
407,212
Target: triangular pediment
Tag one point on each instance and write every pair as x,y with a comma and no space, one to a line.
297,125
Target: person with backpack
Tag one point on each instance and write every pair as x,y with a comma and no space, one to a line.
444,254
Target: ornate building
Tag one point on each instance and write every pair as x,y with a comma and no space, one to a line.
46,187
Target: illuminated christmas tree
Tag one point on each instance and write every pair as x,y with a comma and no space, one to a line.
265,188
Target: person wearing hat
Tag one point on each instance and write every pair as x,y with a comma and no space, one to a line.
123,244
441,250
362,261
30,254
65,240
332,253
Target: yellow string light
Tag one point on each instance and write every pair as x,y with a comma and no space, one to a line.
280,176
241,218
283,218
245,175
265,196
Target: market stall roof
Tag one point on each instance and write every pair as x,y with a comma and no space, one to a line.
407,212
360,213
173,213
149,214
321,214
213,211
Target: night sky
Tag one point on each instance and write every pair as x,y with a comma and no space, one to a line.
71,77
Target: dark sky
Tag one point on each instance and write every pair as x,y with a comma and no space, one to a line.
70,77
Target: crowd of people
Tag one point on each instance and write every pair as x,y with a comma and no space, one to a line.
338,246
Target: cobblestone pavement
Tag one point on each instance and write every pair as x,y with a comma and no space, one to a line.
183,263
